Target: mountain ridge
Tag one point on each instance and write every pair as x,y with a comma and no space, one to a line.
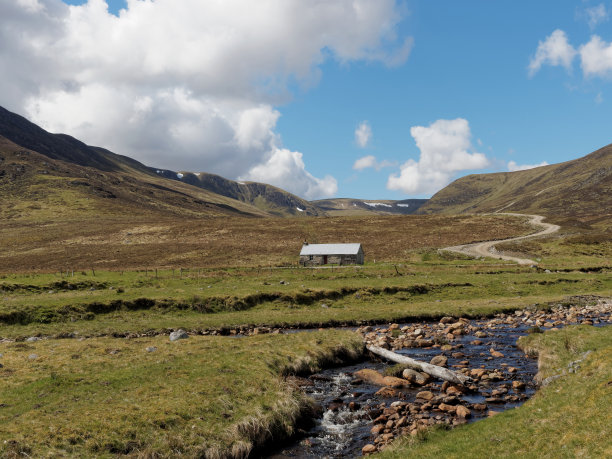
110,171
574,188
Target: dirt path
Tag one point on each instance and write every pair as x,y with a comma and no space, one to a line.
487,249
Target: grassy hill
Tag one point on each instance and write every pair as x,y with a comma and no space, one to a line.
44,174
35,187
573,189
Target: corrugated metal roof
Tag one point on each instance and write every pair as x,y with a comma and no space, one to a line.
330,249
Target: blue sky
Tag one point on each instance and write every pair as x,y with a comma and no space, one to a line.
472,82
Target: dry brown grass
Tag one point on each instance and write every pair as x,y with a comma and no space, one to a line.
140,242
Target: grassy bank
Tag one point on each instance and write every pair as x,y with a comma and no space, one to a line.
150,396
568,418
116,302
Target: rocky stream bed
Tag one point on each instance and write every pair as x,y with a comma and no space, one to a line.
366,406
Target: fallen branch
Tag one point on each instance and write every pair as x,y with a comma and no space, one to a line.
433,370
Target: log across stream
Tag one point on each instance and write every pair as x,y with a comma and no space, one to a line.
358,414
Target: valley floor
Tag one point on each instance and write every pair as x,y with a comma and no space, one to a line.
87,367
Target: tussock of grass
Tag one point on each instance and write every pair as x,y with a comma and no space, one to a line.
204,396
569,418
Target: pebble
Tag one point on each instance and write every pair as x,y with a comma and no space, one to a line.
439,360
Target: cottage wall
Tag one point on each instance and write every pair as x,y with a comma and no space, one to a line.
318,260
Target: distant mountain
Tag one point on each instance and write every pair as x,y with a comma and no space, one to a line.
570,189
265,197
40,172
345,206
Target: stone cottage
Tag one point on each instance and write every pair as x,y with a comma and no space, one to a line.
324,254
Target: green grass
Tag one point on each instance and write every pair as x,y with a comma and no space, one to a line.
569,418
204,299
584,251
203,395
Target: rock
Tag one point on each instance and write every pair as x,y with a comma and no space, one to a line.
463,412
368,449
382,419
33,356
387,437
378,428
31,339
425,395
494,376
388,392
479,406
478,373
335,406
495,353
392,381
518,385
394,326
446,408
416,377
370,376
354,406
439,360
178,334
455,390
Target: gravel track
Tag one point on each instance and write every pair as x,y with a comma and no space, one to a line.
487,249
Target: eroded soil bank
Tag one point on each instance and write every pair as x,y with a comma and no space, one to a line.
365,407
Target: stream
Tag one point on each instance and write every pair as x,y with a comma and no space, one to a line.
356,413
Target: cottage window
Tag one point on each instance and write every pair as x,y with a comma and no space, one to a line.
310,257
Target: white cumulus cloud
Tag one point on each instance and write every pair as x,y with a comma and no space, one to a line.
555,50
365,162
446,149
182,84
596,58
363,134
285,169
513,166
370,161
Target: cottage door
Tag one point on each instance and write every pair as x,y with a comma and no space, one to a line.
324,259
